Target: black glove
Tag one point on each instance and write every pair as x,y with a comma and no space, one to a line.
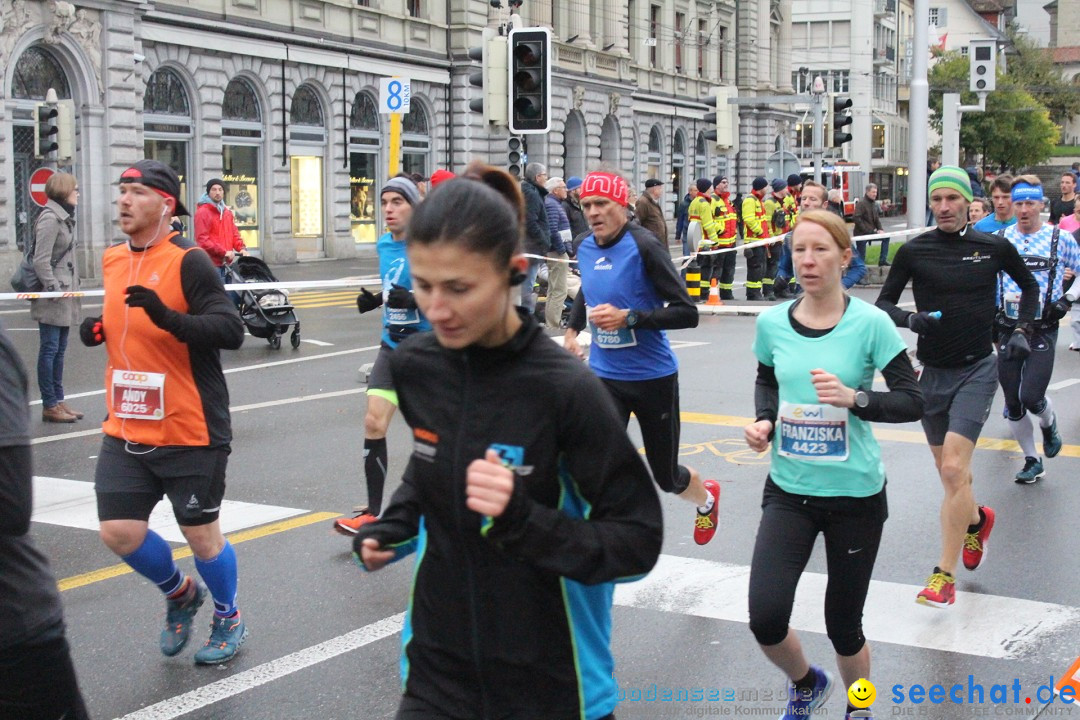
366,301
1057,310
91,332
400,298
923,322
148,300
1017,348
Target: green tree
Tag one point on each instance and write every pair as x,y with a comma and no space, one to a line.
1032,68
1015,131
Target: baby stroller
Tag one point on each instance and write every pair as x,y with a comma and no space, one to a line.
266,313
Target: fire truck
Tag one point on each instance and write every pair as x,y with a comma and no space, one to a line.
846,177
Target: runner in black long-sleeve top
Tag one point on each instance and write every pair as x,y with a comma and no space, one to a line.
954,270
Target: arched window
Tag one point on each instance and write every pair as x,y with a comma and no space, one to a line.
167,124
364,167
306,116
241,157
678,162
653,158
701,158
415,141
166,94
240,103
609,142
35,72
574,152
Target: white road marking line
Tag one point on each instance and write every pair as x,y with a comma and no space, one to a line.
320,343
268,672
72,503
235,409
258,366
983,625
1063,384
705,588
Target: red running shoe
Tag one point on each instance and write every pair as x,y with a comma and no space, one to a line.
975,543
705,525
940,590
349,526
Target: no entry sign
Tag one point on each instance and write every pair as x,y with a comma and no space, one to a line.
37,186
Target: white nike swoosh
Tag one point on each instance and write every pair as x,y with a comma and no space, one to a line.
852,552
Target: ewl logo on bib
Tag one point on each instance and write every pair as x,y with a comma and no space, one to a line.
602,263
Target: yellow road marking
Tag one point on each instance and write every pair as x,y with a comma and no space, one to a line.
77,581
902,436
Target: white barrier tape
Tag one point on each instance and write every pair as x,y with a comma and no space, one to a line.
292,285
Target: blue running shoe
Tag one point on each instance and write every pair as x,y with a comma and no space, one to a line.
801,704
1051,439
226,637
179,615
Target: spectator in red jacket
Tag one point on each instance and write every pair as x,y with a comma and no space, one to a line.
215,227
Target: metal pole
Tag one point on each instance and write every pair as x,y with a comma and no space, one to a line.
918,116
950,129
819,136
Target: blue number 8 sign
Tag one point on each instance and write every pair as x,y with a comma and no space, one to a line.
394,100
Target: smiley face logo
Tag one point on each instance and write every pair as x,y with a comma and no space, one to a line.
862,693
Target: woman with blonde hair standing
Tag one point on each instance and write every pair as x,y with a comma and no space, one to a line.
54,263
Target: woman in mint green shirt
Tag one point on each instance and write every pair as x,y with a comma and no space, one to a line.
817,357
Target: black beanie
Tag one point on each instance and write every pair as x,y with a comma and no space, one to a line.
718,179
793,180
214,181
760,183
703,185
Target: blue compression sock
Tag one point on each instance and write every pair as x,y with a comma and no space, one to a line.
220,576
154,561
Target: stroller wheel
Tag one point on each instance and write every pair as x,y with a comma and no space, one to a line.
295,338
275,341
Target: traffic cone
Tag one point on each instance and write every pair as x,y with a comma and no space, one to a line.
714,294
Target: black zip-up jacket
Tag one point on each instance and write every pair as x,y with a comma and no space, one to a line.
510,618
956,274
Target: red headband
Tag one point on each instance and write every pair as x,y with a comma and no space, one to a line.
606,185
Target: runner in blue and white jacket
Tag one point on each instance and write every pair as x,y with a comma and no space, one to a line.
1047,253
630,293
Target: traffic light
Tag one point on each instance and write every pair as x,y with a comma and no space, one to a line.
530,80
65,136
982,74
515,156
836,119
723,119
45,140
491,78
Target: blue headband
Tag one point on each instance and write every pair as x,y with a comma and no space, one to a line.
1024,191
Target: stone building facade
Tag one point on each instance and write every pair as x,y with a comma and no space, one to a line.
279,98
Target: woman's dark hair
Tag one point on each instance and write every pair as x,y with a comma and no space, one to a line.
481,209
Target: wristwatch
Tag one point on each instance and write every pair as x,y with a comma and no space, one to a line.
631,318
862,399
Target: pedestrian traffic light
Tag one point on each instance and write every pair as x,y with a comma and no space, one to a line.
491,78
65,135
723,119
982,73
530,80
515,157
45,137
836,119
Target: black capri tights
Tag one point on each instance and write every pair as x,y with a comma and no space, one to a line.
789,525
1024,382
655,404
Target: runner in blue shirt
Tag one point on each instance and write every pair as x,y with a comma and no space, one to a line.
1047,252
401,318
1001,197
630,293
817,357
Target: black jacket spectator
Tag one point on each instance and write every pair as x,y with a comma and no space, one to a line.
537,237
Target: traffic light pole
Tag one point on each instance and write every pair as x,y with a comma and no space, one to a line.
951,111
918,115
819,135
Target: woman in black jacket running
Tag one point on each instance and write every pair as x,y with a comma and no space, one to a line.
523,499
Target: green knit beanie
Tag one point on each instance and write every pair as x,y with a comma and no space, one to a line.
950,176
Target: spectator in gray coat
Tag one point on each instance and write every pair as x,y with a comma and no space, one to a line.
537,234
557,265
54,263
